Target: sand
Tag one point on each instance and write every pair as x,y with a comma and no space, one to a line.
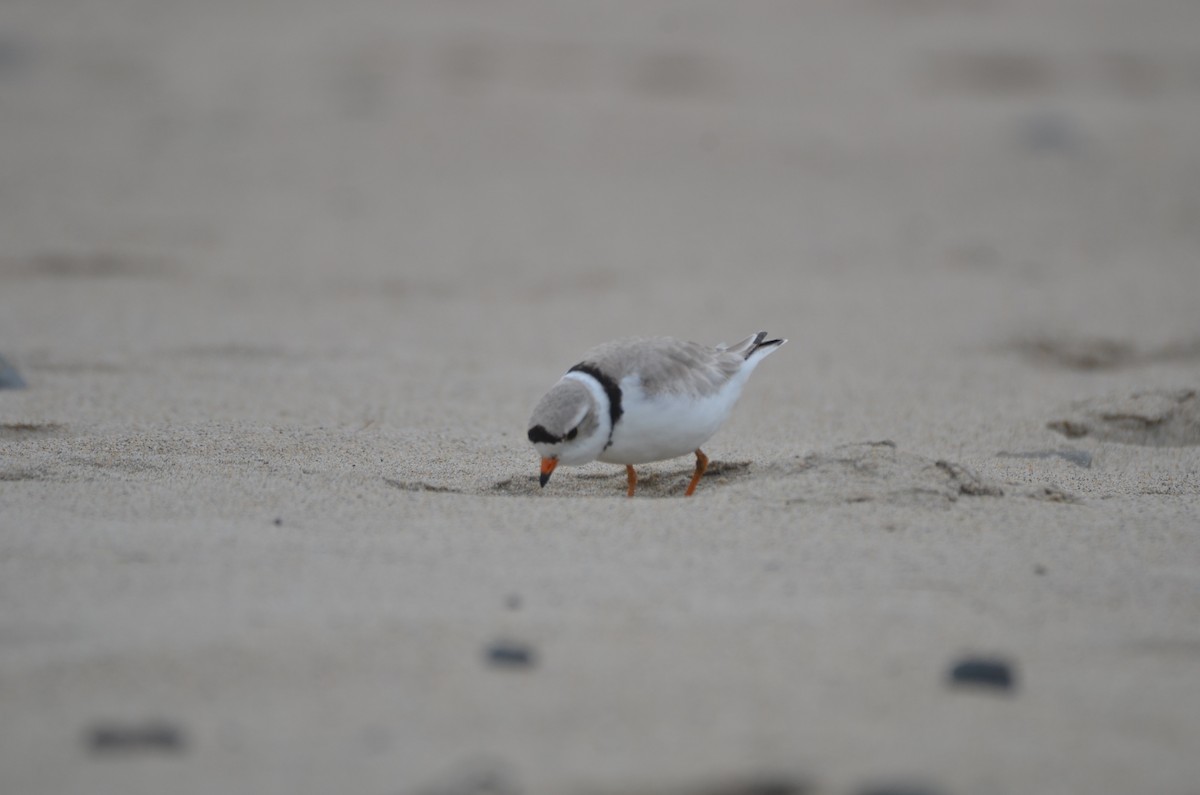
284,279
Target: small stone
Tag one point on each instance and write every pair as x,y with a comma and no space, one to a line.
984,672
9,377
278,521
506,654
106,738
1039,570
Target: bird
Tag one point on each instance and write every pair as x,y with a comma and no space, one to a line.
636,400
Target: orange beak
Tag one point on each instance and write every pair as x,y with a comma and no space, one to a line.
548,465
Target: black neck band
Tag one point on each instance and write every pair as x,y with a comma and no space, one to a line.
610,388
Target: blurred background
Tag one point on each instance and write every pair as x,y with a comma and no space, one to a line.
364,186
699,169
243,241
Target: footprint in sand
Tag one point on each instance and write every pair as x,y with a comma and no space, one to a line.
1159,418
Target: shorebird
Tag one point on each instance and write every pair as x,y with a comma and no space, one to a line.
634,401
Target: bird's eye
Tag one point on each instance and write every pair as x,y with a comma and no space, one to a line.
571,434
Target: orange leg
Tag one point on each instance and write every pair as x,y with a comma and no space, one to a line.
632,476
701,465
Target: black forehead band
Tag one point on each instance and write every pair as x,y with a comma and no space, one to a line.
539,434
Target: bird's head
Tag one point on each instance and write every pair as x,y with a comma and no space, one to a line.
565,427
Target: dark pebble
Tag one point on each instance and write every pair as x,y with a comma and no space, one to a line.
505,654
9,377
121,738
983,672
278,521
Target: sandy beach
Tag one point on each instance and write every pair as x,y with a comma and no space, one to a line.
283,280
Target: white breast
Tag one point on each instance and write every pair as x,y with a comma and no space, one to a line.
655,428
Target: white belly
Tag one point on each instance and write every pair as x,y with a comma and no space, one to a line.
667,426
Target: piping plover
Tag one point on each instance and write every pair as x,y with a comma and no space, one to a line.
646,399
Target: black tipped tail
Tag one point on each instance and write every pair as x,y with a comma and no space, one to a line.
760,342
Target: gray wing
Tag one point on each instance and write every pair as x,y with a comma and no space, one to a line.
667,365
